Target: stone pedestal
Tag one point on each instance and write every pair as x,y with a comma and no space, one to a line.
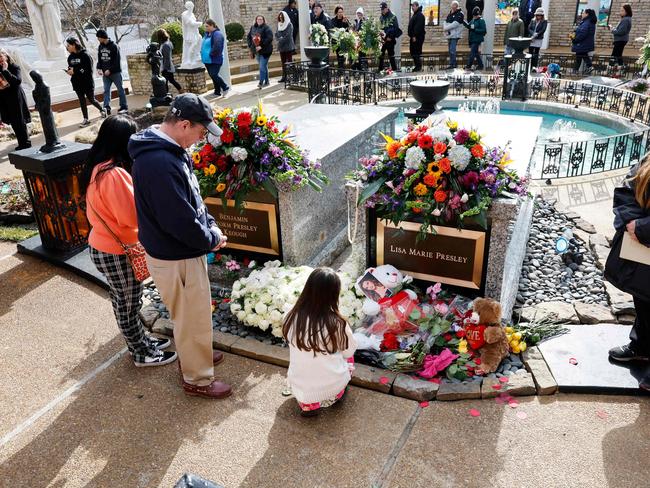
192,80
515,78
317,83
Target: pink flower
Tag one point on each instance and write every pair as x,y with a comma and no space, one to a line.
441,308
461,136
433,291
437,364
454,202
233,265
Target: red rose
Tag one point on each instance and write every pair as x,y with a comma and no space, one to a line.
460,334
390,342
430,180
217,257
440,196
425,141
246,261
225,300
447,337
470,368
477,361
222,163
439,147
244,132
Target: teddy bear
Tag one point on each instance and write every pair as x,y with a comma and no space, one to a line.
384,284
487,336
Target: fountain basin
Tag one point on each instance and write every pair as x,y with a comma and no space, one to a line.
519,44
317,54
429,94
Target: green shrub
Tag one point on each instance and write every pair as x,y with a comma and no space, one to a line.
235,31
175,31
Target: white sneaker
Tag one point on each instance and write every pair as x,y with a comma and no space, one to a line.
123,111
224,93
85,123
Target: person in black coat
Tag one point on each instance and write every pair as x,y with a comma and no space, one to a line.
470,4
13,104
80,69
292,12
260,42
527,10
416,34
318,16
632,216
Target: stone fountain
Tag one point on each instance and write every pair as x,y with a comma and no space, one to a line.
429,93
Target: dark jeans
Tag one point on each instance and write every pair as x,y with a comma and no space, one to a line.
474,54
415,48
534,51
390,47
286,57
90,95
20,129
213,71
617,51
580,58
114,79
452,43
169,76
640,334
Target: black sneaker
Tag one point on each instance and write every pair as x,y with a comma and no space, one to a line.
160,342
157,359
107,110
626,353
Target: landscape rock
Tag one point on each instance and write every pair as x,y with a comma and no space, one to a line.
544,381
367,377
601,252
163,326
149,315
597,240
223,341
620,301
406,386
591,313
255,349
520,384
626,319
559,312
459,391
584,225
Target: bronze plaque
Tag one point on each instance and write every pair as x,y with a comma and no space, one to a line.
452,256
255,229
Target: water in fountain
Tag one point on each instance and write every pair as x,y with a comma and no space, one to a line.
567,131
491,106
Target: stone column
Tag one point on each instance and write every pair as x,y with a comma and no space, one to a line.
396,8
489,15
305,23
215,11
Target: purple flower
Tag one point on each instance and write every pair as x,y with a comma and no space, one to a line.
297,179
461,136
316,165
470,180
275,150
266,159
261,176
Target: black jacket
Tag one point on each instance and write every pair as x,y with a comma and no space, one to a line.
82,71
266,39
13,104
340,24
523,9
470,4
108,57
416,25
323,19
173,222
292,13
626,209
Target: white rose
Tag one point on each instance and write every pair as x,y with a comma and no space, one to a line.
239,154
235,307
436,212
464,198
275,316
264,324
241,315
260,308
266,298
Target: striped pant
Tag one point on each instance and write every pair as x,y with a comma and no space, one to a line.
126,296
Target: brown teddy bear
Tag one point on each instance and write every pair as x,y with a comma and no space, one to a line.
495,347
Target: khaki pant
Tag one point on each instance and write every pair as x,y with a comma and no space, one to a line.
185,289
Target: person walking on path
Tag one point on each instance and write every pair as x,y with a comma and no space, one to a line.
536,30
260,42
168,68
416,32
177,232
527,9
80,69
453,30
515,28
286,44
621,33
110,68
583,41
291,11
390,32
321,344
13,103
632,218
212,56
110,207
477,31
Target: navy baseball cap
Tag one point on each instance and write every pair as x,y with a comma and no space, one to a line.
195,108
383,5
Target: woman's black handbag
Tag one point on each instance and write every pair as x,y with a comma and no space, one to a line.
628,276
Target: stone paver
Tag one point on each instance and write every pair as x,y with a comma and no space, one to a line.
591,313
255,349
415,389
459,391
620,301
544,381
562,312
520,384
373,378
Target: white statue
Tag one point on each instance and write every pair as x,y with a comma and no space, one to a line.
45,18
191,39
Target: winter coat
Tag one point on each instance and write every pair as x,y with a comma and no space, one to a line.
358,24
536,30
390,26
166,50
292,13
470,4
108,57
477,34
82,71
266,39
416,25
453,25
622,31
322,19
523,8
212,47
13,103
285,39
514,29
343,23
584,42
626,209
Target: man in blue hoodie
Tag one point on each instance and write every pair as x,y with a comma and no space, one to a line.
212,56
177,232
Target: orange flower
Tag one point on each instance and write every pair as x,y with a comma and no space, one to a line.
392,148
417,210
411,137
478,151
440,196
420,190
439,147
431,179
425,141
445,165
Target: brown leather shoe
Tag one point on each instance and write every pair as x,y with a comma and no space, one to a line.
217,357
215,390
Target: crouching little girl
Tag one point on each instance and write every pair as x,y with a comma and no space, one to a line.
321,345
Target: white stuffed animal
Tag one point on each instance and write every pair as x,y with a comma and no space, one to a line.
391,279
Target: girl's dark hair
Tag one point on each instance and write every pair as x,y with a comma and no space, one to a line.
212,23
476,11
263,19
592,15
314,322
628,9
73,41
162,35
281,14
110,145
337,8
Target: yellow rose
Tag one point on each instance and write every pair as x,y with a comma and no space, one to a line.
206,171
522,346
516,349
509,330
221,187
212,169
462,346
420,190
517,335
261,120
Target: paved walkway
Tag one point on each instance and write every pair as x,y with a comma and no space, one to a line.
76,413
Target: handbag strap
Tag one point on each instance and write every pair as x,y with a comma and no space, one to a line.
106,225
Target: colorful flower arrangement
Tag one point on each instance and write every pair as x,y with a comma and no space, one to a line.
252,153
436,175
264,298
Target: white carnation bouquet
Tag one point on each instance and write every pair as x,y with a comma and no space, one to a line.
265,297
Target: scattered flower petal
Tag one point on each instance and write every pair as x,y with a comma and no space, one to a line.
513,403
496,387
573,361
522,415
383,380
474,413
504,379
424,404
602,414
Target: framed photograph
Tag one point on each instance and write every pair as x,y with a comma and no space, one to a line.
603,12
504,10
431,11
372,287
